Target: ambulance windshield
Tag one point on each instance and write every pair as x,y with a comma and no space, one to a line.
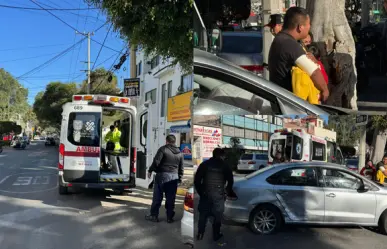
84,128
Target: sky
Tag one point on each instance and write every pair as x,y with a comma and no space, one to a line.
33,37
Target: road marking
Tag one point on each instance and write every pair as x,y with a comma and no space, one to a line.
29,192
4,179
27,180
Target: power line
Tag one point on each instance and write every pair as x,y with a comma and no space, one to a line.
36,69
103,44
68,25
101,27
42,46
28,58
51,9
72,52
100,43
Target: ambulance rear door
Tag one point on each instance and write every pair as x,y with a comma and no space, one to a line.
80,143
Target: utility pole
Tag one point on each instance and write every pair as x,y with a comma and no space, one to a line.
88,35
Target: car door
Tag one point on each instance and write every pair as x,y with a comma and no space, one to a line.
344,202
299,194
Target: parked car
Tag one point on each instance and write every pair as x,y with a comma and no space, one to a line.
18,143
353,164
252,161
187,222
307,193
223,88
50,141
243,48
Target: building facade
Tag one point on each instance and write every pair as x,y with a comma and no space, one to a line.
169,91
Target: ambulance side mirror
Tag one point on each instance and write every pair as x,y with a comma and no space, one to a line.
143,128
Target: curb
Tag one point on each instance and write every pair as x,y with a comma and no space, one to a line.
181,191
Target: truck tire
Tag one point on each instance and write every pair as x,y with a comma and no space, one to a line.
63,190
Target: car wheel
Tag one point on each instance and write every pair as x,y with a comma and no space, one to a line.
63,190
383,223
266,220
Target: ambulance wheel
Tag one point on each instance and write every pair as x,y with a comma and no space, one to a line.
63,190
118,191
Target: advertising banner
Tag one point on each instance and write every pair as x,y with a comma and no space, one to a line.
211,139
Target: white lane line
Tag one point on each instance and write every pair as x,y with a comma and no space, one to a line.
4,179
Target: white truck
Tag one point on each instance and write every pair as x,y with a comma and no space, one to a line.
82,147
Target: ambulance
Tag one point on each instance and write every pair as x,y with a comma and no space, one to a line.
85,162
297,145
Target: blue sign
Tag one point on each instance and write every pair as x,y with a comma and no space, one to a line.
186,149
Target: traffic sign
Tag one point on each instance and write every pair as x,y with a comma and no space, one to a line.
361,120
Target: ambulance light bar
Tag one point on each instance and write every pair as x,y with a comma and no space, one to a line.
285,130
101,99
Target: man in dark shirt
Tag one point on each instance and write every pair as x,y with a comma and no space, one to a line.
210,180
286,52
169,167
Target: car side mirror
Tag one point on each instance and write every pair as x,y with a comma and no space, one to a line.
364,188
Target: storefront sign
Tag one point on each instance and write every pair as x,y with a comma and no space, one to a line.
186,149
132,87
211,139
179,107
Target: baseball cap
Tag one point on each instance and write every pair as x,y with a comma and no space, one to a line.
274,20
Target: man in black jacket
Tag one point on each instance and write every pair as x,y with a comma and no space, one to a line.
210,180
168,165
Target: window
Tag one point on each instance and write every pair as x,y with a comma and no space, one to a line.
84,128
261,157
334,178
247,157
139,68
294,177
163,100
318,151
155,61
241,43
297,148
151,95
277,145
186,83
169,88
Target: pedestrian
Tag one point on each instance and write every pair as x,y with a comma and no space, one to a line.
275,23
308,39
381,167
286,52
368,170
278,158
210,180
168,165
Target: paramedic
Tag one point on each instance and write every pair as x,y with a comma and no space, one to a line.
114,136
286,52
210,180
168,165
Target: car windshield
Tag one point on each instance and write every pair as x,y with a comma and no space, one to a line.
214,96
247,157
241,43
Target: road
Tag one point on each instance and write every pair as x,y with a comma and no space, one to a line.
33,215
302,237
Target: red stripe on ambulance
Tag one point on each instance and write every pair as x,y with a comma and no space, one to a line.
84,151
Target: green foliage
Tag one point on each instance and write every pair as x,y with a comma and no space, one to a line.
345,126
162,27
379,122
48,104
100,83
13,97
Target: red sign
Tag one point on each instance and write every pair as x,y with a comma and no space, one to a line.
87,149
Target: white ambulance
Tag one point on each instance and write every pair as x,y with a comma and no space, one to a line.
298,145
85,122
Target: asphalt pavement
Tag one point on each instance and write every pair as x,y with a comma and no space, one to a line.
301,237
34,216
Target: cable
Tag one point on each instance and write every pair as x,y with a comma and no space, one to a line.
30,8
68,25
72,52
20,59
103,44
51,60
101,27
100,43
43,46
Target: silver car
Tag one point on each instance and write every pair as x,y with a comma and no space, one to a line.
307,193
223,88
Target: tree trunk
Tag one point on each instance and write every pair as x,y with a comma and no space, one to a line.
378,143
330,25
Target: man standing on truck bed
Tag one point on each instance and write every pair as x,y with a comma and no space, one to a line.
169,167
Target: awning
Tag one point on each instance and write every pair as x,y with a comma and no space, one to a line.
180,129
